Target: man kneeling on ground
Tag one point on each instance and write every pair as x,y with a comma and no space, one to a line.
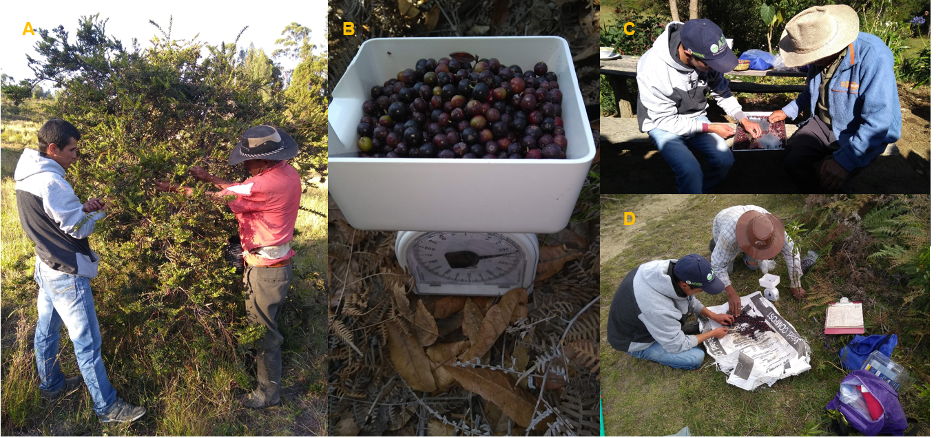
650,308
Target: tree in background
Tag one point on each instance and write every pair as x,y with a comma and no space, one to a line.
13,91
306,92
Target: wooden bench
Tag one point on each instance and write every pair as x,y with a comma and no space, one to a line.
619,71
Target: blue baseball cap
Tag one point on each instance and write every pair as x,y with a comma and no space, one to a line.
707,42
697,272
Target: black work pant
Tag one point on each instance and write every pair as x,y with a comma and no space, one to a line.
809,145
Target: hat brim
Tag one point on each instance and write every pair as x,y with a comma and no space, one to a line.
745,244
290,150
715,287
724,63
847,34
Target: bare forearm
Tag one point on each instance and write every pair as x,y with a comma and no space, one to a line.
218,182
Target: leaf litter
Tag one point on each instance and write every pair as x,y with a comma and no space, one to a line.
519,364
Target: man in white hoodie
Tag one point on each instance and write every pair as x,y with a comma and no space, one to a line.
672,78
59,224
649,311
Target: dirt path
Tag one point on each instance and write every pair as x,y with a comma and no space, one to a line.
615,235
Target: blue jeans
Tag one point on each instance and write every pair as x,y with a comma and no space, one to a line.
689,175
66,299
687,360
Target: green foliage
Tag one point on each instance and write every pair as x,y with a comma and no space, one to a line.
608,106
904,243
794,231
646,29
16,92
916,70
882,19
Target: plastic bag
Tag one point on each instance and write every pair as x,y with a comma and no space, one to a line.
760,60
766,265
780,65
857,351
850,395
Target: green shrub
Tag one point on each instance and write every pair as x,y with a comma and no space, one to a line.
916,70
646,29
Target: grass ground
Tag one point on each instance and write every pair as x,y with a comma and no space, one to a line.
645,398
201,402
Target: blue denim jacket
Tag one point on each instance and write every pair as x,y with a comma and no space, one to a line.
863,101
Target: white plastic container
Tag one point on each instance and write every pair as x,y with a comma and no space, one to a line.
474,195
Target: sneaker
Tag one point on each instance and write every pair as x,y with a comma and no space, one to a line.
122,412
71,384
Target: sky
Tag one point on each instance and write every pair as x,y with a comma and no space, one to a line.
212,21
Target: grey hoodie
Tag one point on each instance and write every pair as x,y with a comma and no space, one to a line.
649,306
672,94
52,216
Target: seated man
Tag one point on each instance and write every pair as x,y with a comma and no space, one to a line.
759,235
672,78
851,93
652,304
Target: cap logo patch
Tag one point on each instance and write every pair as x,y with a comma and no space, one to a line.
709,276
714,48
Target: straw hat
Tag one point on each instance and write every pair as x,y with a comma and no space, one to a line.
760,235
818,32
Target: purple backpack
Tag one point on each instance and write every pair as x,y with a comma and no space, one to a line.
892,422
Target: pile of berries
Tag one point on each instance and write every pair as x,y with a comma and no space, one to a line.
750,325
460,107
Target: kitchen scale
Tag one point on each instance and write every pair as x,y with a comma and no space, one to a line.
453,263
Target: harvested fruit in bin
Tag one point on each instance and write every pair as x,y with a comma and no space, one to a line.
463,107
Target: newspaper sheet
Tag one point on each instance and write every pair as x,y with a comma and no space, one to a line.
751,363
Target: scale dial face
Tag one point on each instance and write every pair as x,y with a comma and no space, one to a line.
490,259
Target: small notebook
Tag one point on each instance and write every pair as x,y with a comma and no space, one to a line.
844,317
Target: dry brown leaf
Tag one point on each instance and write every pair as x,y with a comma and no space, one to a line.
496,418
445,354
447,306
334,213
426,330
496,321
521,354
409,359
347,427
402,303
496,387
408,8
350,234
554,380
584,353
438,428
569,238
450,324
432,18
552,258
521,310
483,303
472,321
499,11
